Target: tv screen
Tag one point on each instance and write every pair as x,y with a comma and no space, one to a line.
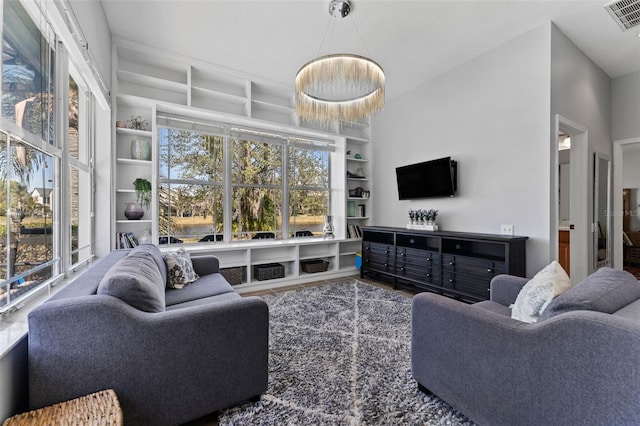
435,178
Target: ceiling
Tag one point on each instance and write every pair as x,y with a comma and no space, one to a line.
413,41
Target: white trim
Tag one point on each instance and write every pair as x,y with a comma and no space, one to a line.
617,243
579,196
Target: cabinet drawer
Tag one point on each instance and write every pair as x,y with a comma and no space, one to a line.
471,285
472,266
418,273
417,241
418,256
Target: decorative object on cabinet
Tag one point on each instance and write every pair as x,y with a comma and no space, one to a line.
143,191
357,156
133,211
423,219
339,87
141,149
136,122
121,124
327,229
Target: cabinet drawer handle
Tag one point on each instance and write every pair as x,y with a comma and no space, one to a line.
428,275
451,263
451,280
428,259
402,268
401,254
489,270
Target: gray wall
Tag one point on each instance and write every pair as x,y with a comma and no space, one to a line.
492,115
626,107
581,92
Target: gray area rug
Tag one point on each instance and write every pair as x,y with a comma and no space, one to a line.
339,354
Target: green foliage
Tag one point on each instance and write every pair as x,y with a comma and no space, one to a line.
143,191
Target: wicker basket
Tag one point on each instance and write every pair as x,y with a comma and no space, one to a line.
232,275
100,408
314,265
268,271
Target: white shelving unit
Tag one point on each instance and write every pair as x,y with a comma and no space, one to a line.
146,81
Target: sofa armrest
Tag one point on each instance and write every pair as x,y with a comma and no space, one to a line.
477,360
166,368
205,265
505,288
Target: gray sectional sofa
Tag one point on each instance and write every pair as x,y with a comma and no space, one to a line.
579,364
205,349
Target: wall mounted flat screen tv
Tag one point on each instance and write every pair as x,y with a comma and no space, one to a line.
435,178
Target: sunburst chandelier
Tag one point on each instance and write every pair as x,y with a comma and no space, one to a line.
339,87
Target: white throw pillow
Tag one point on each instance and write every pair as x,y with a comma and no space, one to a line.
538,292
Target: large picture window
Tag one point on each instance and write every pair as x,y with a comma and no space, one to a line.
240,184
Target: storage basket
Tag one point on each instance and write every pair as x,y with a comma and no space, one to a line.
232,275
268,271
100,408
314,265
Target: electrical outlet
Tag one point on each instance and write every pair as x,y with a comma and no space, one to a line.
506,229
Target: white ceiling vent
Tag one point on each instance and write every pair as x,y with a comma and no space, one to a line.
625,12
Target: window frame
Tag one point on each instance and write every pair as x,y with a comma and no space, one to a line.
234,132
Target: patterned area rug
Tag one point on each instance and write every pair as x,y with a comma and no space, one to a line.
339,354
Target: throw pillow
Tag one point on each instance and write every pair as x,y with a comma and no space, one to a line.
538,292
180,269
136,280
606,290
156,254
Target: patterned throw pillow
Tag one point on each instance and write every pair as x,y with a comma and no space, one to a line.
179,269
538,292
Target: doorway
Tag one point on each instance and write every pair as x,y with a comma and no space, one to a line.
569,225
625,210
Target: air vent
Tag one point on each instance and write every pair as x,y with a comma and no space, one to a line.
625,12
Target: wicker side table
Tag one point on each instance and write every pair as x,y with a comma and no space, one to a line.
100,408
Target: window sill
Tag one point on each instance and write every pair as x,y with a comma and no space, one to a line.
14,325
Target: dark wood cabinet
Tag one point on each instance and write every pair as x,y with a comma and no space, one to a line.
456,264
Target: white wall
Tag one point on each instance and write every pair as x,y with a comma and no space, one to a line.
93,24
626,107
492,115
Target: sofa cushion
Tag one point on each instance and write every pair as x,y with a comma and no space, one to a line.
204,301
156,254
136,280
205,286
606,290
538,292
180,269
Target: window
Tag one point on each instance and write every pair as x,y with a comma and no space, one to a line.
27,73
190,186
26,260
227,183
45,203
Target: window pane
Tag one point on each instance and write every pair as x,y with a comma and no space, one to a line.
73,142
188,155
308,168
80,215
27,241
256,163
256,213
27,73
190,213
307,210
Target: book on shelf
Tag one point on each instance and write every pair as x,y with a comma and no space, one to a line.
126,240
353,231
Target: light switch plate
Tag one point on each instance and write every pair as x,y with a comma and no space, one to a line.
506,229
